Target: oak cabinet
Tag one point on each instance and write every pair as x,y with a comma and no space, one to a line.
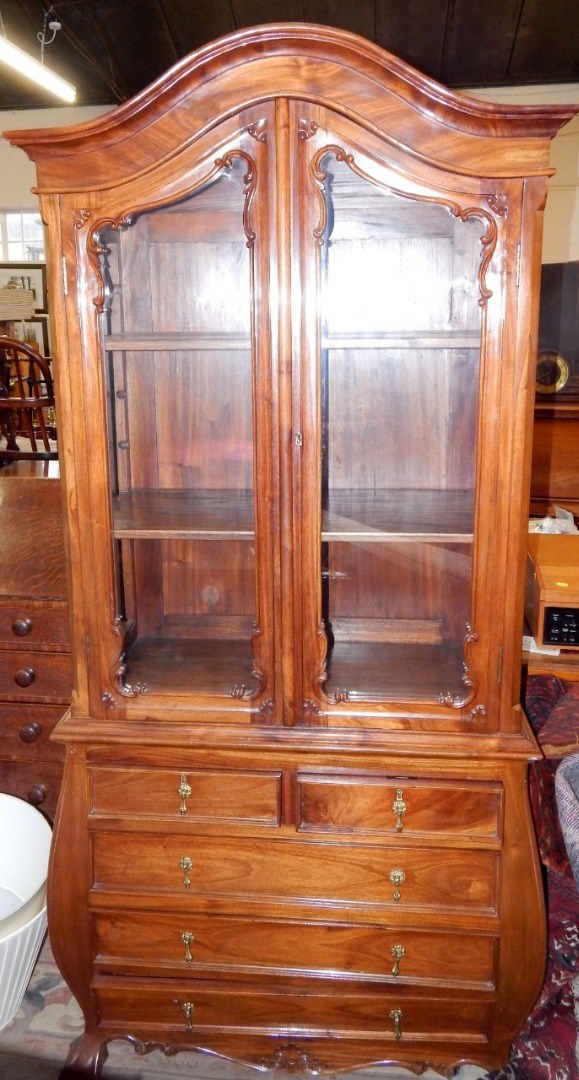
35,664
295,291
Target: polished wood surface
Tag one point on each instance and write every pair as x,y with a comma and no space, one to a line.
35,662
295,395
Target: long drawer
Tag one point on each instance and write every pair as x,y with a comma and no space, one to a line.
35,676
195,1008
173,944
298,870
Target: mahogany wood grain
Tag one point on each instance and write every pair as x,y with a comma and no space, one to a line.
200,234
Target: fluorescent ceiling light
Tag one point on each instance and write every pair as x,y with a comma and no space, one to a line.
33,69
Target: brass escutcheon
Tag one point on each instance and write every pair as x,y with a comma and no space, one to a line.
396,1015
397,951
186,865
397,877
399,807
183,791
188,938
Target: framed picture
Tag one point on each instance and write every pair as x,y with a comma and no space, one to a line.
26,276
34,332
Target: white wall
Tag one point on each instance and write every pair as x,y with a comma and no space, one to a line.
17,172
561,236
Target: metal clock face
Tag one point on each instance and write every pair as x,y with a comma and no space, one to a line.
552,372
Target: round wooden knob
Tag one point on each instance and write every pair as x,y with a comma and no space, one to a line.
25,676
37,794
30,732
21,627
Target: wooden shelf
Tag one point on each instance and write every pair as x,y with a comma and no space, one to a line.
206,515
191,341
394,671
380,516
404,515
180,665
404,339
176,342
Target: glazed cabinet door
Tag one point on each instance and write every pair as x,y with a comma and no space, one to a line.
394,446
181,266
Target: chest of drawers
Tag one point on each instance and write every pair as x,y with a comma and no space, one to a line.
35,666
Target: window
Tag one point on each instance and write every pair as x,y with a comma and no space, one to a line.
21,236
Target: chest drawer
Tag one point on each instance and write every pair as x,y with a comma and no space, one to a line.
194,1006
31,623
35,676
197,942
25,731
297,871
194,795
399,806
38,782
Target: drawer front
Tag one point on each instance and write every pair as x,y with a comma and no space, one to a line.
25,732
196,1006
399,806
134,942
31,623
195,794
36,676
38,783
296,870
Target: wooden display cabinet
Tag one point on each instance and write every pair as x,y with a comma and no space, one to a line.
295,290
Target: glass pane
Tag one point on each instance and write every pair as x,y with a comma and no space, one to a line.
179,372
400,369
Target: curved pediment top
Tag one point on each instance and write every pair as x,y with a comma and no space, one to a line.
317,63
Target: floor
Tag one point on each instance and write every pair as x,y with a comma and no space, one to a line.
35,1044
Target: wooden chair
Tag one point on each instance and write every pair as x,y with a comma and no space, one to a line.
26,403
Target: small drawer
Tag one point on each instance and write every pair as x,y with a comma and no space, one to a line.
187,1007
25,731
36,676
204,944
297,872
191,795
38,783
399,806
32,623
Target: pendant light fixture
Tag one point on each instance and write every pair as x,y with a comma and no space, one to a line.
26,65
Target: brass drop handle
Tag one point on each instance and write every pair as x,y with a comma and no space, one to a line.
22,626
397,952
397,877
186,865
188,1009
183,791
396,1015
188,938
25,676
30,732
399,807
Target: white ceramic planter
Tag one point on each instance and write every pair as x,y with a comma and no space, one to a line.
25,837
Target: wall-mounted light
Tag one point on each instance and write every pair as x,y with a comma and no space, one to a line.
33,69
